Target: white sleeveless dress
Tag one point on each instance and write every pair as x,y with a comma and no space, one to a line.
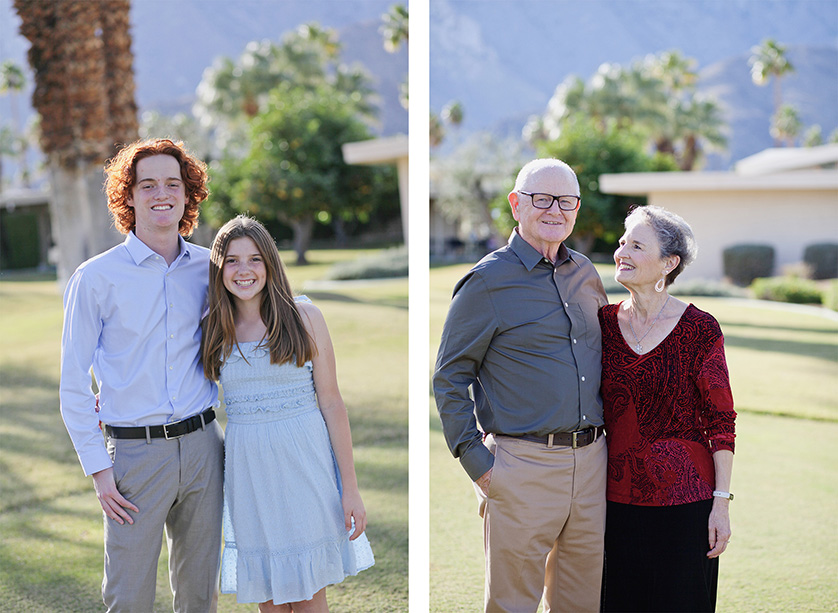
284,534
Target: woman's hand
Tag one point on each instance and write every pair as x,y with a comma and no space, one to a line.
719,527
353,508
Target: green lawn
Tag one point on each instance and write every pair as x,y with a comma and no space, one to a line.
784,372
50,521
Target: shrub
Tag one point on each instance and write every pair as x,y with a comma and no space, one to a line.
744,263
388,263
823,260
703,287
787,289
830,296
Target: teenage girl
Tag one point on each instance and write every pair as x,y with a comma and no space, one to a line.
294,519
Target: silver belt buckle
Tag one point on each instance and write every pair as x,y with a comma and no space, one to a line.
574,435
166,432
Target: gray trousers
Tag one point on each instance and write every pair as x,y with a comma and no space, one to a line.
176,484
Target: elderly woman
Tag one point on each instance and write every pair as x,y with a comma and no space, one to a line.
670,423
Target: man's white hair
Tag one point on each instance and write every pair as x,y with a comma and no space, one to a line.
534,166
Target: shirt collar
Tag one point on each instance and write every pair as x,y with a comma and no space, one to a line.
140,252
529,256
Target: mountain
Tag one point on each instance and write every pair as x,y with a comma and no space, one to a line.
503,59
175,41
812,89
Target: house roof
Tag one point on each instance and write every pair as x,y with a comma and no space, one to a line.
801,169
642,183
376,151
12,198
788,158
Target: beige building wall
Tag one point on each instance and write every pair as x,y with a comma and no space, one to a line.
788,220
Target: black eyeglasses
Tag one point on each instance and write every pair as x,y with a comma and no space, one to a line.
545,201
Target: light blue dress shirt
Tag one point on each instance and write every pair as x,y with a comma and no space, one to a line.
137,322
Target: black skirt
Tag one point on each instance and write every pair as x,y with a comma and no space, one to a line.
656,558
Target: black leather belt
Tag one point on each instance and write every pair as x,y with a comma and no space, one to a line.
577,439
168,431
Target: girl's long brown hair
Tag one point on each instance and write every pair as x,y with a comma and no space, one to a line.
286,337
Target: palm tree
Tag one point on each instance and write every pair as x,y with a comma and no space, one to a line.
813,137
655,97
84,93
7,147
394,28
452,115
12,81
769,60
436,130
395,31
786,125
702,127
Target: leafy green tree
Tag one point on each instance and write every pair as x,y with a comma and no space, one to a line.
233,92
591,152
467,183
294,169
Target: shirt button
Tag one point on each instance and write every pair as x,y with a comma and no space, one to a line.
171,336
584,417
171,306
583,378
574,341
171,367
566,304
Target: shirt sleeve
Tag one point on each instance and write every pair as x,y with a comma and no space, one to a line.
718,416
79,339
468,330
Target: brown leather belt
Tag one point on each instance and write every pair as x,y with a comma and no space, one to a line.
167,431
574,440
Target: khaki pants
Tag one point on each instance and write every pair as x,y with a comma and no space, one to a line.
543,526
176,484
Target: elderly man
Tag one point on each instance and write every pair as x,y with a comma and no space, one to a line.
522,333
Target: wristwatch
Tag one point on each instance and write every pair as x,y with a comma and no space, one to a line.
720,494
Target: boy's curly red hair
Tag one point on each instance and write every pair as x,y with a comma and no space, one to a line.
121,175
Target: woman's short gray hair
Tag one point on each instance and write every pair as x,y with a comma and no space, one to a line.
674,235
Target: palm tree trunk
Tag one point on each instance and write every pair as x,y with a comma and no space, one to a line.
84,92
81,223
690,154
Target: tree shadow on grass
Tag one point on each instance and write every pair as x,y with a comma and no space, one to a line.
746,324
42,582
387,478
810,350
391,302
16,376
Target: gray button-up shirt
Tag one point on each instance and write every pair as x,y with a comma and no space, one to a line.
523,334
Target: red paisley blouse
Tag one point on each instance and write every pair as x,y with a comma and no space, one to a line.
666,411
